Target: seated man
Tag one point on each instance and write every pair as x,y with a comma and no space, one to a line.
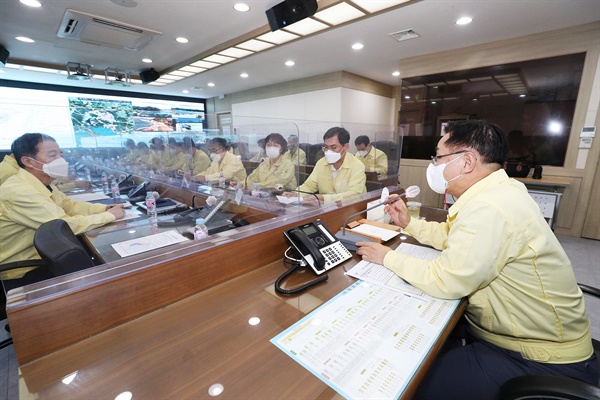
198,160
374,159
296,155
147,158
28,199
222,161
177,160
525,312
276,169
260,155
339,175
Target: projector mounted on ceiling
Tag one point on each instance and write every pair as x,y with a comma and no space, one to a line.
100,31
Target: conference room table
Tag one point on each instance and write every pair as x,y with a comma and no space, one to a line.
206,342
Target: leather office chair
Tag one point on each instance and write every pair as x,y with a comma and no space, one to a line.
61,254
554,387
391,149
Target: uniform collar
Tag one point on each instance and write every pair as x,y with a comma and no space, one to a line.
492,179
24,175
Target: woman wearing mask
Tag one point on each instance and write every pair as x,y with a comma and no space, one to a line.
222,161
276,169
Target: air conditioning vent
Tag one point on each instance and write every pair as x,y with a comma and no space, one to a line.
404,35
92,29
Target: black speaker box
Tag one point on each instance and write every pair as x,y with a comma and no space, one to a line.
290,11
149,75
4,53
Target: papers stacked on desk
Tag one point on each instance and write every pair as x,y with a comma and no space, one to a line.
147,243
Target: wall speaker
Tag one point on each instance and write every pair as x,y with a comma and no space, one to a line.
149,75
290,11
4,53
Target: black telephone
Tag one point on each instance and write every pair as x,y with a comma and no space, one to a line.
190,216
318,246
138,193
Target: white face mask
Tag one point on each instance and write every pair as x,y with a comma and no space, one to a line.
272,152
363,153
332,157
58,168
435,177
216,157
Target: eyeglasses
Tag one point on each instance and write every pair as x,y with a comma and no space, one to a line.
434,159
335,148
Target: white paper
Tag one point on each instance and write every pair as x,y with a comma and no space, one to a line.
290,200
129,214
367,342
147,243
372,230
88,196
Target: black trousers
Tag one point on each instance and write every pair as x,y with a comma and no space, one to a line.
468,368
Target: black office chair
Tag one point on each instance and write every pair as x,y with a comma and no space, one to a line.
61,253
554,387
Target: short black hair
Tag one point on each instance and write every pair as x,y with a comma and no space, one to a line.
362,139
280,140
188,142
220,142
342,134
27,146
487,138
129,142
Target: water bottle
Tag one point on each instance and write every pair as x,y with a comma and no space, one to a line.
88,175
200,231
151,207
221,180
255,191
105,183
115,190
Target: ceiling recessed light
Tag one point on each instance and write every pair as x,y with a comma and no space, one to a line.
185,91
357,46
210,84
433,102
521,95
241,7
290,63
182,40
407,97
146,60
25,39
31,3
244,75
464,21
396,73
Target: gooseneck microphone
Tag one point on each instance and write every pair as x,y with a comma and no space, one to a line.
349,239
309,193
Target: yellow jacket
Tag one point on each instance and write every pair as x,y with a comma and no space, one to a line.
376,160
25,204
8,168
150,160
498,250
297,158
269,174
200,162
349,182
175,163
232,168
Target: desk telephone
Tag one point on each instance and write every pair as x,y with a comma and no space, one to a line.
318,246
189,217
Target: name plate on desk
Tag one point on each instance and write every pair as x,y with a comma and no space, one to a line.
368,341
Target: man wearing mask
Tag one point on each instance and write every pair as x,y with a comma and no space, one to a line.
28,199
276,169
525,313
374,159
198,161
338,175
296,155
222,161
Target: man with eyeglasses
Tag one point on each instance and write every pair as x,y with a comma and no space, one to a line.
222,161
339,175
525,313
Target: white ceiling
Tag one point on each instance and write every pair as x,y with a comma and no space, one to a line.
210,23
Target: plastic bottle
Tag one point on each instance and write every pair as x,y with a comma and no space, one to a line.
88,175
255,191
151,208
221,180
200,231
104,179
115,190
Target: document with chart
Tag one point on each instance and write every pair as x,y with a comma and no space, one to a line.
368,341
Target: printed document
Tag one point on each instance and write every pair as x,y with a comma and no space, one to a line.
147,243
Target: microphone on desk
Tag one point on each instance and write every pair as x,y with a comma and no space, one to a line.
310,193
349,239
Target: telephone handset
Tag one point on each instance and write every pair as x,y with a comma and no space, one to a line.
318,246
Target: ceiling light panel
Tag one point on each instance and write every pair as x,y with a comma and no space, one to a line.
306,27
235,52
278,37
39,69
204,64
185,74
339,14
164,80
377,5
171,76
195,70
219,59
255,45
